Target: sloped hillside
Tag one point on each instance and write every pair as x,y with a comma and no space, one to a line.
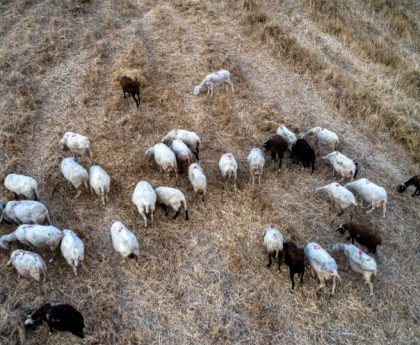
350,66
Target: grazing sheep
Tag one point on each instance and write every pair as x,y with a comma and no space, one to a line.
323,137
164,158
198,179
343,165
304,153
256,163
25,212
229,168
415,181
124,241
75,174
28,265
22,185
322,263
78,144
340,195
72,249
212,79
183,154
191,139
273,242
277,146
144,197
359,262
132,87
364,235
369,192
288,135
62,317
295,259
167,196
99,181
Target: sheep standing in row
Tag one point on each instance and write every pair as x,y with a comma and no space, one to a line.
369,192
144,198
256,163
191,139
22,185
198,179
78,144
124,241
287,135
212,79
28,265
342,165
338,195
229,168
164,158
172,197
364,235
359,261
72,249
273,242
295,259
414,181
324,137
183,154
99,182
277,146
132,87
303,152
25,212
322,263
75,174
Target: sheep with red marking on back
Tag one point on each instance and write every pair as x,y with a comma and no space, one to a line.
78,144
198,179
124,241
339,195
343,165
28,265
72,249
191,139
183,154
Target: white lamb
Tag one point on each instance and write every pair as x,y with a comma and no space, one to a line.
25,212
183,154
198,179
78,144
144,197
75,174
99,181
72,249
273,242
256,163
322,263
191,139
212,79
229,168
324,137
359,261
288,135
342,164
167,196
164,157
340,195
22,185
124,241
369,192
28,265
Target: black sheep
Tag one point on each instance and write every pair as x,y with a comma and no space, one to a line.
304,153
295,259
132,87
415,181
277,146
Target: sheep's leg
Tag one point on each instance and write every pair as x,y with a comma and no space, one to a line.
383,209
234,186
231,84
333,287
252,177
301,278
368,278
269,260
417,191
144,218
103,199
341,211
176,215
124,94
280,161
165,209
291,278
259,179
75,270
78,194
280,255
211,89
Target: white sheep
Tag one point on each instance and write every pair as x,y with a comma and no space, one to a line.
273,242
75,174
369,192
25,212
124,241
183,154
322,263
342,164
229,168
144,198
28,264
99,181
256,163
78,144
219,77
72,249
324,137
167,196
22,185
191,139
340,195
198,179
287,135
359,261
164,158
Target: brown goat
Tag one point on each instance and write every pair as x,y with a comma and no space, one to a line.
277,146
295,259
363,234
131,87
415,181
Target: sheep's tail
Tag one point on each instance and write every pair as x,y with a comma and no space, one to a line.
47,217
184,204
36,194
337,145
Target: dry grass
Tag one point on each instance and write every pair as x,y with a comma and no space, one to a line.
205,280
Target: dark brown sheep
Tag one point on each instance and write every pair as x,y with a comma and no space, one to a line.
303,152
277,146
295,259
415,181
131,87
363,234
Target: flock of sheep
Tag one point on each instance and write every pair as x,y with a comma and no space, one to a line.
175,154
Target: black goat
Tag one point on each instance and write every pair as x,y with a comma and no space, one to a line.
304,153
415,181
295,259
277,146
132,87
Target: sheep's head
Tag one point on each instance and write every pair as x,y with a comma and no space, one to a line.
35,319
197,90
402,187
4,244
342,229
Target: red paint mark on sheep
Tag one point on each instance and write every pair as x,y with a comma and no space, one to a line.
120,229
29,226
337,185
317,247
216,73
73,135
360,252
